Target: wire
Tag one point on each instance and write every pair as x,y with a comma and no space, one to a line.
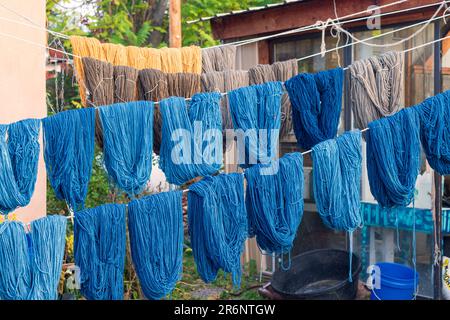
320,23
31,22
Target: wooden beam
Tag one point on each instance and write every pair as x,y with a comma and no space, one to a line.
301,14
175,23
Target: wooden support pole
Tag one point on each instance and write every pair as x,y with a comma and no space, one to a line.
175,23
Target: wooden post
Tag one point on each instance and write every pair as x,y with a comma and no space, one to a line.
175,23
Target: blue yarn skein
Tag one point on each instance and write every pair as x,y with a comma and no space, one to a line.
257,108
31,263
16,274
155,225
393,152
48,239
316,105
274,202
69,153
127,144
99,250
205,108
434,115
337,175
179,151
19,156
218,225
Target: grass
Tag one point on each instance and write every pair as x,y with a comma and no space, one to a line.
192,287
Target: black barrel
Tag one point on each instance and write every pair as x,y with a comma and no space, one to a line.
319,275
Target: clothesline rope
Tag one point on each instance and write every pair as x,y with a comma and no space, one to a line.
317,25
224,93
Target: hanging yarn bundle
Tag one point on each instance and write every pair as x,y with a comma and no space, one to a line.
116,54
434,115
316,105
256,111
337,175
125,84
84,47
171,60
221,58
224,81
284,70
191,58
155,224
204,111
69,153
48,241
99,250
181,156
261,73
393,151
16,273
31,263
153,86
143,58
279,71
183,84
99,79
218,225
274,201
19,156
376,87
127,136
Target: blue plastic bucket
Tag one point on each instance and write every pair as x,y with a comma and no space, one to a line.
396,282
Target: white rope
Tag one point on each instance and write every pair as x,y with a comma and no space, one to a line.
373,37
337,27
318,23
31,22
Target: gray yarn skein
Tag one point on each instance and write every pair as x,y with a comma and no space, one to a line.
376,87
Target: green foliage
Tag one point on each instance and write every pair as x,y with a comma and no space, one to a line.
200,33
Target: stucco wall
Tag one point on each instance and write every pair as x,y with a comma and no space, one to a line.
22,82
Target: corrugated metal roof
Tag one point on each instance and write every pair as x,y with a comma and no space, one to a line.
251,9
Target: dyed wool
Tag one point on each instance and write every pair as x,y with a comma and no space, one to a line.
393,152
434,115
84,47
125,84
31,263
255,111
99,79
16,273
171,60
337,175
191,58
376,87
115,54
284,70
99,250
316,105
155,224
153,87
127,135
19,156
48,241
218,225
182,156
183,84
221,58
69,153
224,81
274,201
